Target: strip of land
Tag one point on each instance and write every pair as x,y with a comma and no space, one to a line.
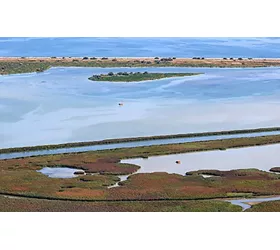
14,204
14,65
136,76
136,139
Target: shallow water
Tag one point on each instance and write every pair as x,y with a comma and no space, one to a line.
59,172
260,157
244,202
122,178
131,144
60,105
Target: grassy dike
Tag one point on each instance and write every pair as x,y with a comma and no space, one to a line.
135,139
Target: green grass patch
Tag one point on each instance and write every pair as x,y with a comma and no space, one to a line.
136,77
35,205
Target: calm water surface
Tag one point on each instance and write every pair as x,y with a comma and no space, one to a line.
259,157
59,172
60,105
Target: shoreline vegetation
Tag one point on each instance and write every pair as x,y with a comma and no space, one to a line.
136,139
136,76
17,65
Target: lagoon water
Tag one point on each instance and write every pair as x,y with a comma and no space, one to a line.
259,157
59,172
61,105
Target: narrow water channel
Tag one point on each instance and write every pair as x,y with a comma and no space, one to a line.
132,144
246,203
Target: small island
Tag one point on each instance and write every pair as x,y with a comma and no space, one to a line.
136,76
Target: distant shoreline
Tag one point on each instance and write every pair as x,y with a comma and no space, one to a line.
16,65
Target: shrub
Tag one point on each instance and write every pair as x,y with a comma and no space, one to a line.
156,57
145,73
166,59
231,58
240,58
53,57
110,74
104,58
225,58
88,178
250,58
75,60
79,172
202,58
173,58
114,60
85,58
92,58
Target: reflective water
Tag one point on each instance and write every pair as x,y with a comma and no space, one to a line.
59,172
61,105
122,178
244,203
260,157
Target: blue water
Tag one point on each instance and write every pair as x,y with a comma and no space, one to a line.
244,202
141,47
59,172
61,105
